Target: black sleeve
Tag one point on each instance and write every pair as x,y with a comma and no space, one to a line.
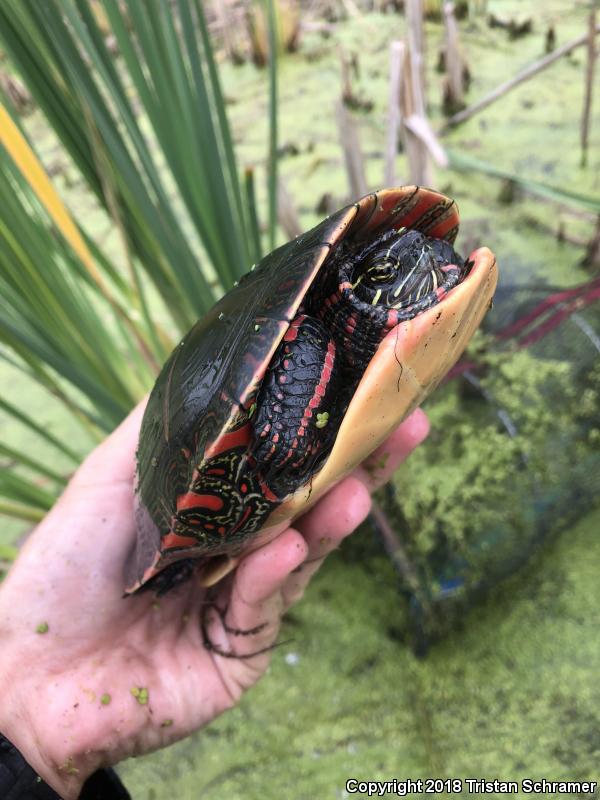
19,781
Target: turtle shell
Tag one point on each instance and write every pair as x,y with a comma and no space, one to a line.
200,403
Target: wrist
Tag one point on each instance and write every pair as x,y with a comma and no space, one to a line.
22,724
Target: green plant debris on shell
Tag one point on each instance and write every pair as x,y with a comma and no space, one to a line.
43,627
105,699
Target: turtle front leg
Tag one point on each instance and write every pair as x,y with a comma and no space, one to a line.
295,416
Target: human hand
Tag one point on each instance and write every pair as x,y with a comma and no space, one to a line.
113,677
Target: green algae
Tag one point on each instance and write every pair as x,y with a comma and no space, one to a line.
476,501
511,695
470,463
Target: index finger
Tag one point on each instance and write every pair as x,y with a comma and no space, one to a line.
376,470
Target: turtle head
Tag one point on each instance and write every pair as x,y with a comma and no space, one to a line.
403,267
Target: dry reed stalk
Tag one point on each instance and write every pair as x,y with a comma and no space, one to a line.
221,10
353,157
419,126
347,94
287,214
591,260
393,546
351,8
453,85
522,76
589,86
397,58
415,35
412,105
287,29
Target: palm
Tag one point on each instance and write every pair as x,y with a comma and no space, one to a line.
115,644
102,652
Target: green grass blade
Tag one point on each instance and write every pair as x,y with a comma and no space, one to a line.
30,423
19,511
256,247
558,194
149,134
272,162
7,551
45,314
221,122
20,490
32,463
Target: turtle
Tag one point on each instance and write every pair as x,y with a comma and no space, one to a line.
296,375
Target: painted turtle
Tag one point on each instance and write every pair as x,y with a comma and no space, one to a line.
296,375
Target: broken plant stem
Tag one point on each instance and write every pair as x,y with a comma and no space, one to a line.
522,76
589,86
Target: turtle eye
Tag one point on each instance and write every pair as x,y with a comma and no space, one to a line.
404,268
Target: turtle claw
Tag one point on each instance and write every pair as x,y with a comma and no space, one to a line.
222,612
247,632
213,648
217,569
224,654
170,577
